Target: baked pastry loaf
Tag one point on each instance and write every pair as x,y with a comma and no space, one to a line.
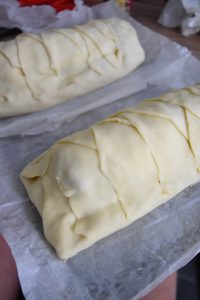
95,182
41,70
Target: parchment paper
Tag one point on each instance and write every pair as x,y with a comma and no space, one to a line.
126,264
167,66
37,18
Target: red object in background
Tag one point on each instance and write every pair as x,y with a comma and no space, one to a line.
58,5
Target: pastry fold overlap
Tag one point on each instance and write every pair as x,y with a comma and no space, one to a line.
95,182
41,70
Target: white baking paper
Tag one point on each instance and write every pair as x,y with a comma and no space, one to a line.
38,18
167,66
130,262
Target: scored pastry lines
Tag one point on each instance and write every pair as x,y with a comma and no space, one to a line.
154,157
8,60
98,22
10,63
76,218
188,132
104,55
117,51
24,74
186,110
74,143
162,114
8,49
169,120
66,36
180,105
61,191
89,62
186,114
39,39
67,81
154,115
51,65
88,35
131,125
116,42
109,180
179,98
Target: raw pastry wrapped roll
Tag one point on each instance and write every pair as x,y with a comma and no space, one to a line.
41,70
95,182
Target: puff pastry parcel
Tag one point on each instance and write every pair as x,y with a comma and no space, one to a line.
41,70
95,182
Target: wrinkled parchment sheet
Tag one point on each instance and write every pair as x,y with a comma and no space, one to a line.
128,263
37,18
167,66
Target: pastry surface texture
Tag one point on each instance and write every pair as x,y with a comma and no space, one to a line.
41,70
97,181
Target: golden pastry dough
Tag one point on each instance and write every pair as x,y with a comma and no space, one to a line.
95,182
39,71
